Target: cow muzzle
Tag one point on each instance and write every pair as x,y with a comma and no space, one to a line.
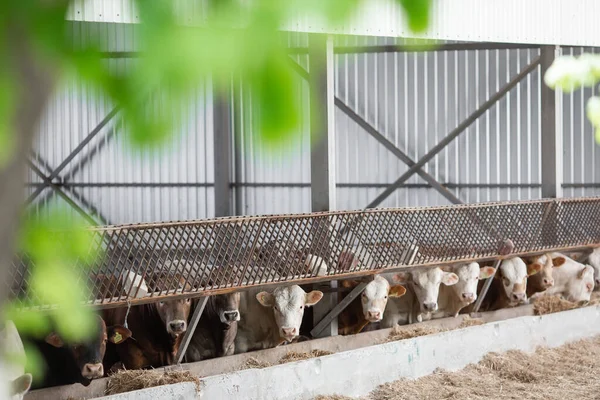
176,327
373,316
518,298
430,306
468,297
231,316
547,282
92,371
289,333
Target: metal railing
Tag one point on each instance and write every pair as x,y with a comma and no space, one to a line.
145,262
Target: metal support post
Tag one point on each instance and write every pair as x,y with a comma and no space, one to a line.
222,152
505,249
552,146
187,336
337,309
322,160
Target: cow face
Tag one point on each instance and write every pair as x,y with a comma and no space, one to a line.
375,297
426,285
88,354
513,273
581,287
227,306
468,277
288,307
594,261
544,278
174,314
19,387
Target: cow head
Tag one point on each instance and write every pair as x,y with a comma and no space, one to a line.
227,306
594,261
288,307
513,273
544,263
581,286
19,387
468,277
426,285
374,297
174,314
89,353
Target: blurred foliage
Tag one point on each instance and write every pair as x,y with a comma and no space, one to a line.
569,73
237,38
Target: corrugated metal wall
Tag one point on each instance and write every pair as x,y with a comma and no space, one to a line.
413,99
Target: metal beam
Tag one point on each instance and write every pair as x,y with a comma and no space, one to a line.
455,132
370,129
189,332
337,309
238,126
552,153
505,249
222,152
322,157
429,47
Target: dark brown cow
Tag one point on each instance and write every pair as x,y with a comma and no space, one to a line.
80,362
157,329
217,328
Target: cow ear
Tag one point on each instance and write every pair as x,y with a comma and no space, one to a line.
118,334
558,261
486,272
266,299
312,298
401,277
446,268
349,283
534,268
584,270
397,291
21,385
449,278
54,340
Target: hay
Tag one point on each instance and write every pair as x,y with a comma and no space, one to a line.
411,331
127,381
333,397
296,356
468,321
551,304
567,372
255,363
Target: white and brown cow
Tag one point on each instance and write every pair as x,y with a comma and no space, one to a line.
594,260
572,280
369,306
544,279
421,299
454,298
270,319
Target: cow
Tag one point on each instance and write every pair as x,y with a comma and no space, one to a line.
270,319
572,280
421,299
593,259
157,328
217,328
544,279
509,287
369,307
69,362
15,382
452,299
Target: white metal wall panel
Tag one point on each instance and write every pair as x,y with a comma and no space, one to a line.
564,22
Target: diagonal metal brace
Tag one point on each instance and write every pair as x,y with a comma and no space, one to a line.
335,311
189,332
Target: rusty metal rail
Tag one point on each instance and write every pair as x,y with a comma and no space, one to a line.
142,263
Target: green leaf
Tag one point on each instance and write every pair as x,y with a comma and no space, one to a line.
417,13
593,111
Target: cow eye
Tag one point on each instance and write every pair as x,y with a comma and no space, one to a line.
188,300
385,297
301,307
506,282
162,303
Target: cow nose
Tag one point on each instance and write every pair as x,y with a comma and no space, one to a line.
518,296
373,315
430,306
177,326
232,316
468,296
92,371
289,332
548,282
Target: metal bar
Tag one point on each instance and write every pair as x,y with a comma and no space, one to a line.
61,193
222,152
237,148
76,151
189,332
337,309
455,132
551,130
370,129
128,184
506,248
427,47
322,157
299,70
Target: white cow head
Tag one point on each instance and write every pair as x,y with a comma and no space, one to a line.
375,296
426,285
513,273
288,307
468,277
594,260
580,286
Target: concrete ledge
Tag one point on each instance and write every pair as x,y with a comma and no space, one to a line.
177,391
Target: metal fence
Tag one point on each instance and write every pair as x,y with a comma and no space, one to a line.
146,262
